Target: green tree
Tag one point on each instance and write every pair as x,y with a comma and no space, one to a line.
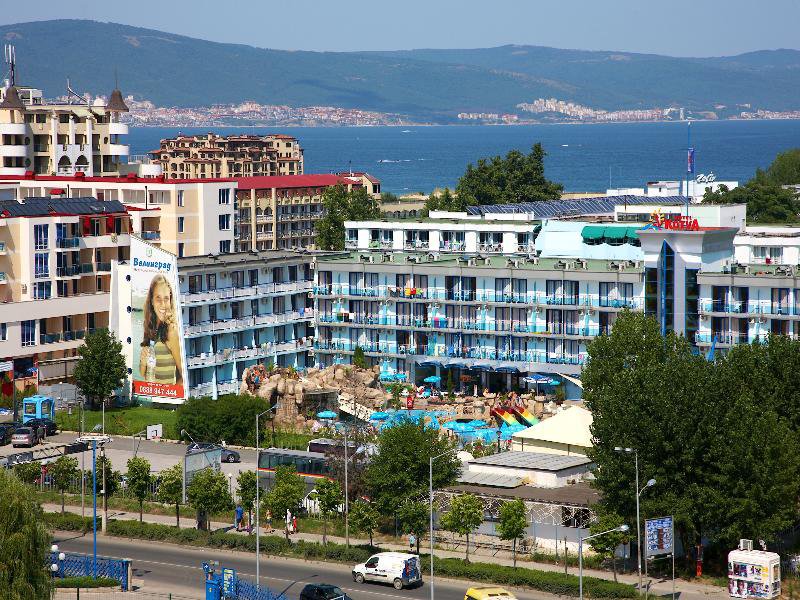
28,472
446,201
101,369
414,517
247,482
24,543
515,178
364,518
339,206
170,489
139,480
63,470
464,517
288,491
785,169
359,360
208,493
228,418
330,498
767,201
399,470
606,545
513,523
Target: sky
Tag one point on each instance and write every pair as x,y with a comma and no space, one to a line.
676,28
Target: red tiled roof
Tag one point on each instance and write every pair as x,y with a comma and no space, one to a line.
293,181
132,179
369,177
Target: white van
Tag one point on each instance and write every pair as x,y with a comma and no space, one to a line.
398,568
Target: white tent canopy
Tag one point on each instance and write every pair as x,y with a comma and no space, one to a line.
567,432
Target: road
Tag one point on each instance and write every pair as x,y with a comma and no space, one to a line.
167,567
160,454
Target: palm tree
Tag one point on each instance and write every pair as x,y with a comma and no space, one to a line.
24,543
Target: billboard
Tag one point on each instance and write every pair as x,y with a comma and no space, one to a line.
159,365
658,536
195,462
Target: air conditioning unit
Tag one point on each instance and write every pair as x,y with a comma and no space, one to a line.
472,262
745,544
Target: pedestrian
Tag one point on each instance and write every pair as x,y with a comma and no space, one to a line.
412,541
288,521
269,520
294,523
239,516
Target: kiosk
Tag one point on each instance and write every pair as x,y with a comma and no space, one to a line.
753,573
38,407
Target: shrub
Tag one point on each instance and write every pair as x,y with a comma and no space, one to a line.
85,582
68,522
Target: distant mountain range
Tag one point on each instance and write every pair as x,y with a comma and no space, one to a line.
173,70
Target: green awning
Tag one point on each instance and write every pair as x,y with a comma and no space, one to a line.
593,232
615,234
632,234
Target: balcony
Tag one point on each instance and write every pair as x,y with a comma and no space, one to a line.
67,243
265,350
416,245
3,278
150,235
104,267
250,322
64,336
12,128
3,249
68,271
254,291
117,129
118,150
17,150
87,268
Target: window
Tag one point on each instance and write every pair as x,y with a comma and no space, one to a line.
41,265
180,198
28,333
195,284
180,224
40,236
3,332
211,281
41,290
224,246
225,196
224,222
180,249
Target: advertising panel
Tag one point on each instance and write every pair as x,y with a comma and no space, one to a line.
658,536
197,461
159,365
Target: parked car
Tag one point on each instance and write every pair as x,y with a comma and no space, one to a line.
25,436
228,455
49,426
6,431
488,593
398,568
323,591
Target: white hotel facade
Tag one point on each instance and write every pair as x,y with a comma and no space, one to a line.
503,295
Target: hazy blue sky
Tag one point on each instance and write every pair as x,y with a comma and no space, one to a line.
677,27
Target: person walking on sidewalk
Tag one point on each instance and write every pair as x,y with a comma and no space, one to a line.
239,517
412,540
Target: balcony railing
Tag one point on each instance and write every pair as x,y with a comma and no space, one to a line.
103,267
248,353
261,289
151,235
68,242
759,307
249,322
64,336
68,271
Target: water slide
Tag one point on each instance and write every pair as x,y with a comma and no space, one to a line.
505,416
525,416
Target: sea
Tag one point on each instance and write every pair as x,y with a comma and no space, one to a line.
582,157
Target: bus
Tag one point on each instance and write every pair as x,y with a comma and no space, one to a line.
312,466
329,446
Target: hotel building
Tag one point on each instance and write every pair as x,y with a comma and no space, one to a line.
214,156
55,277
185,217
47,138
278,213
501,294
242,309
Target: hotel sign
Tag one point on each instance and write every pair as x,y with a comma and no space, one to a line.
676,223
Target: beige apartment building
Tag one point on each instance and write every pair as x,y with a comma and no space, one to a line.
185,217
278,213
46,138
211,155
55,277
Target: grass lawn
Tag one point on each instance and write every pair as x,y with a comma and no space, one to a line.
121,421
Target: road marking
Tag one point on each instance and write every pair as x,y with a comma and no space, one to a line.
282,579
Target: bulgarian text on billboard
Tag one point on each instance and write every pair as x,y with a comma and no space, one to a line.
159,368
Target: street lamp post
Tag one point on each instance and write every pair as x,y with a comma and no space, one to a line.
430,500
581,539
650,483
346,495
258,493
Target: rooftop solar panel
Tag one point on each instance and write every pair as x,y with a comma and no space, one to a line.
551,209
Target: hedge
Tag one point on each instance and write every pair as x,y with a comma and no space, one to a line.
85,582
546,581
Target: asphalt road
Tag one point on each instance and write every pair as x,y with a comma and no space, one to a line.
160,454
159,567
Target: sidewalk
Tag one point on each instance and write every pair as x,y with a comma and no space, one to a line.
658,587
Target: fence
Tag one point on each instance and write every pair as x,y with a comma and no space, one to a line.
108,594
81,565
74,487
246,590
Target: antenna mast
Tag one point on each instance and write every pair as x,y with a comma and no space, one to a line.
11,60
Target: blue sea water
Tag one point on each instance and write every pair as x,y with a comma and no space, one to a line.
582,157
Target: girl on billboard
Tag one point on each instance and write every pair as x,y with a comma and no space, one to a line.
160,359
